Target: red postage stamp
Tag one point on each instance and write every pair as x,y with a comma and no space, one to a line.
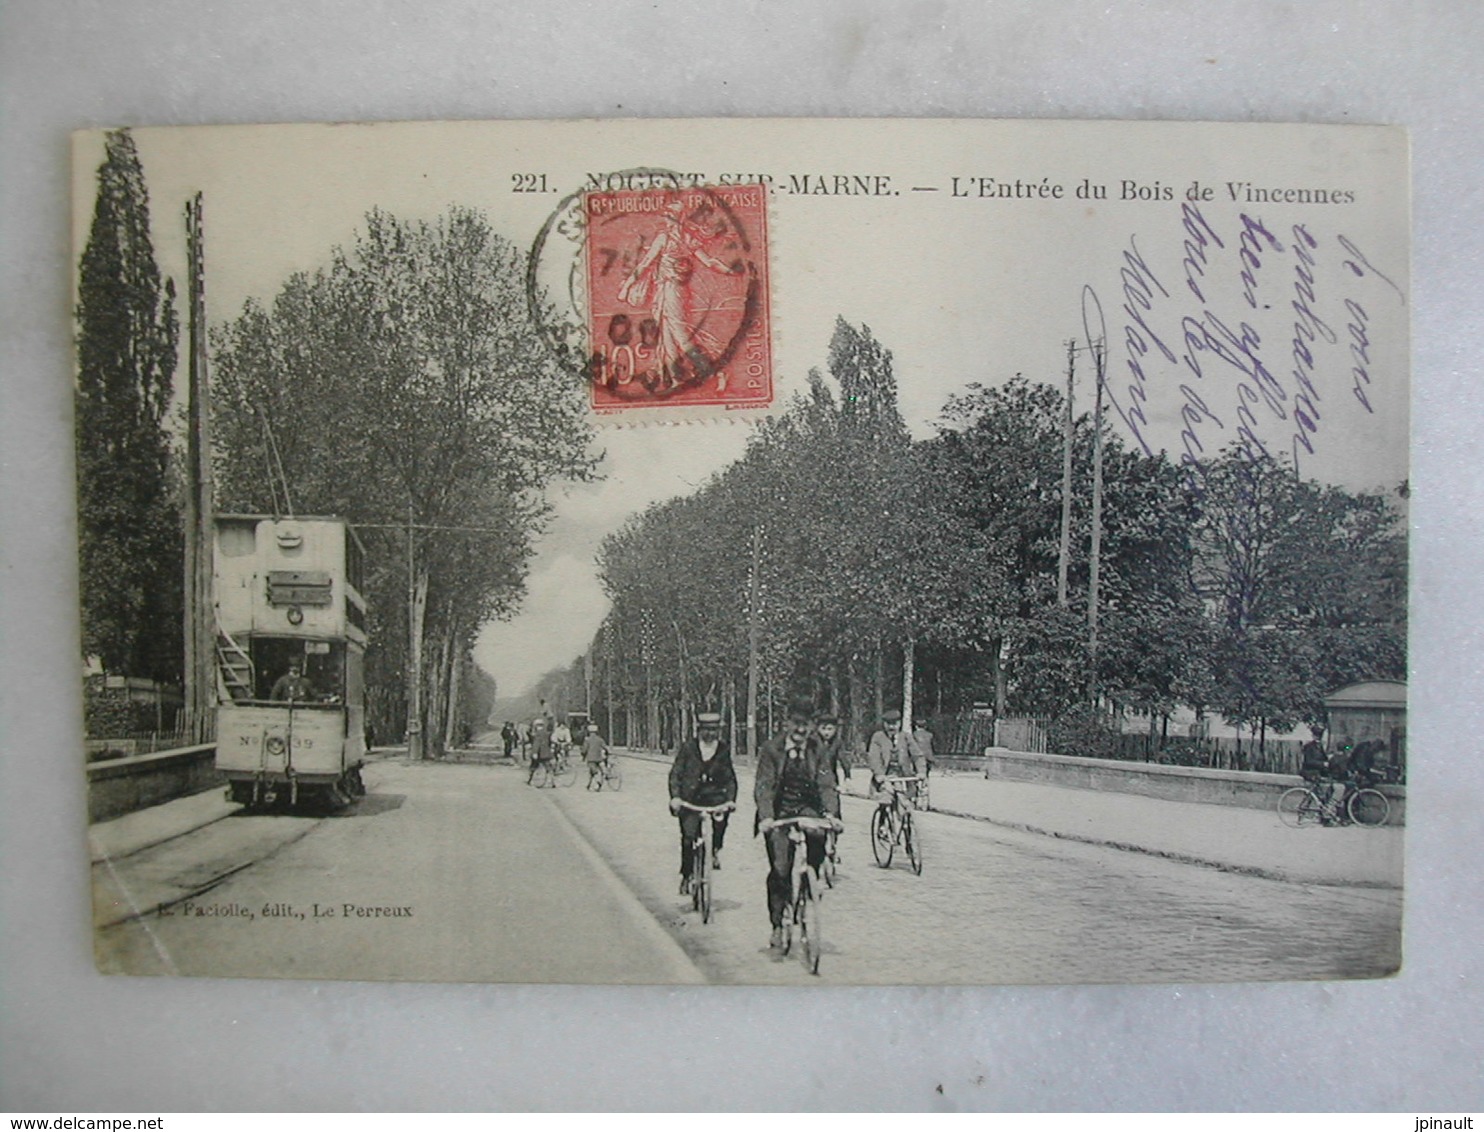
678,298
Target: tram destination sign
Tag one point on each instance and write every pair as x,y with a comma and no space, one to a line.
299,587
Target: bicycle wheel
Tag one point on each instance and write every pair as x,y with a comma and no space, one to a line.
912,841
613,778
566,774
881,836
701,878
1368,807
809,925
1299,806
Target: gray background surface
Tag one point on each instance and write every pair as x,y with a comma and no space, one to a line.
73,1040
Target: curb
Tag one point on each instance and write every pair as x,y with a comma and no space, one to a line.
1164,854
162,840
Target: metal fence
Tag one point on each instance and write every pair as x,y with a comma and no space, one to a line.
183,734
967,734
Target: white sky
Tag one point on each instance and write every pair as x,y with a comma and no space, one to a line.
960,288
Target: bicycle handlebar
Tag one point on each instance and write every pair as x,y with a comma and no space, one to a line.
823,825
725,807
896,780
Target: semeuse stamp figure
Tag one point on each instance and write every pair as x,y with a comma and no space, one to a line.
677,297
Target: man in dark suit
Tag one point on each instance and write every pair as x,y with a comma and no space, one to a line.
702,775
794,779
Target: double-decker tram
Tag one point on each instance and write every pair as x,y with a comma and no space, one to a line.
290,652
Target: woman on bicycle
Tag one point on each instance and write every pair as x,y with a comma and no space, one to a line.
702,775
794,779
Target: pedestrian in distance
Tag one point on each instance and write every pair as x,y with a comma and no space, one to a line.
701,775
794,779
510,737
921,744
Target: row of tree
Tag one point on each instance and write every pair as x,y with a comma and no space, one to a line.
402,386
873,570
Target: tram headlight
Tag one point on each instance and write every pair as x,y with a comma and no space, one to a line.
295,615
276,745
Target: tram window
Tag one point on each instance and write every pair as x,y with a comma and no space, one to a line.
320,663
326,672
237,540
355,566
355,676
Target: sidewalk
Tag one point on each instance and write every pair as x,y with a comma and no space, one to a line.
1230,838
121,837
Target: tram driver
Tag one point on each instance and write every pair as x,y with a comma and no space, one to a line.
293,686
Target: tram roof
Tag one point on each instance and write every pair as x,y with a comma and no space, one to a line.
249,517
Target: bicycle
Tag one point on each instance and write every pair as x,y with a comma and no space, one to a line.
831,863
804,892
703,856
892,825
1303,805
555,771
609,776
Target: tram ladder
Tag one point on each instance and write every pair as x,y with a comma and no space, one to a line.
235,667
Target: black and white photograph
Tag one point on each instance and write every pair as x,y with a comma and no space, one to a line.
744,551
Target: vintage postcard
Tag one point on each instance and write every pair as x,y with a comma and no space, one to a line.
662,552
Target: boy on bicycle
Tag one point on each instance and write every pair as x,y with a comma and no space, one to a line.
832,745
794,779
702,775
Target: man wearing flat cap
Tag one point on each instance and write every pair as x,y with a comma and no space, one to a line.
890,753
701,775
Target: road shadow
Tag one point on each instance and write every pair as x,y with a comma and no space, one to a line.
371,806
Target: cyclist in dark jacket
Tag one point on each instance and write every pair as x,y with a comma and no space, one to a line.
794,779
702,774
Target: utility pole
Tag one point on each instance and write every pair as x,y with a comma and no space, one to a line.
587,683
909,664
752,643
612,735
199,629
414,652
1097,519
1066,482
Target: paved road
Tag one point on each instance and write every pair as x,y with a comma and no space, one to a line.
479,878
453,873
996,906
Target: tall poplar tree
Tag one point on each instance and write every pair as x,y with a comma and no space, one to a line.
128,516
